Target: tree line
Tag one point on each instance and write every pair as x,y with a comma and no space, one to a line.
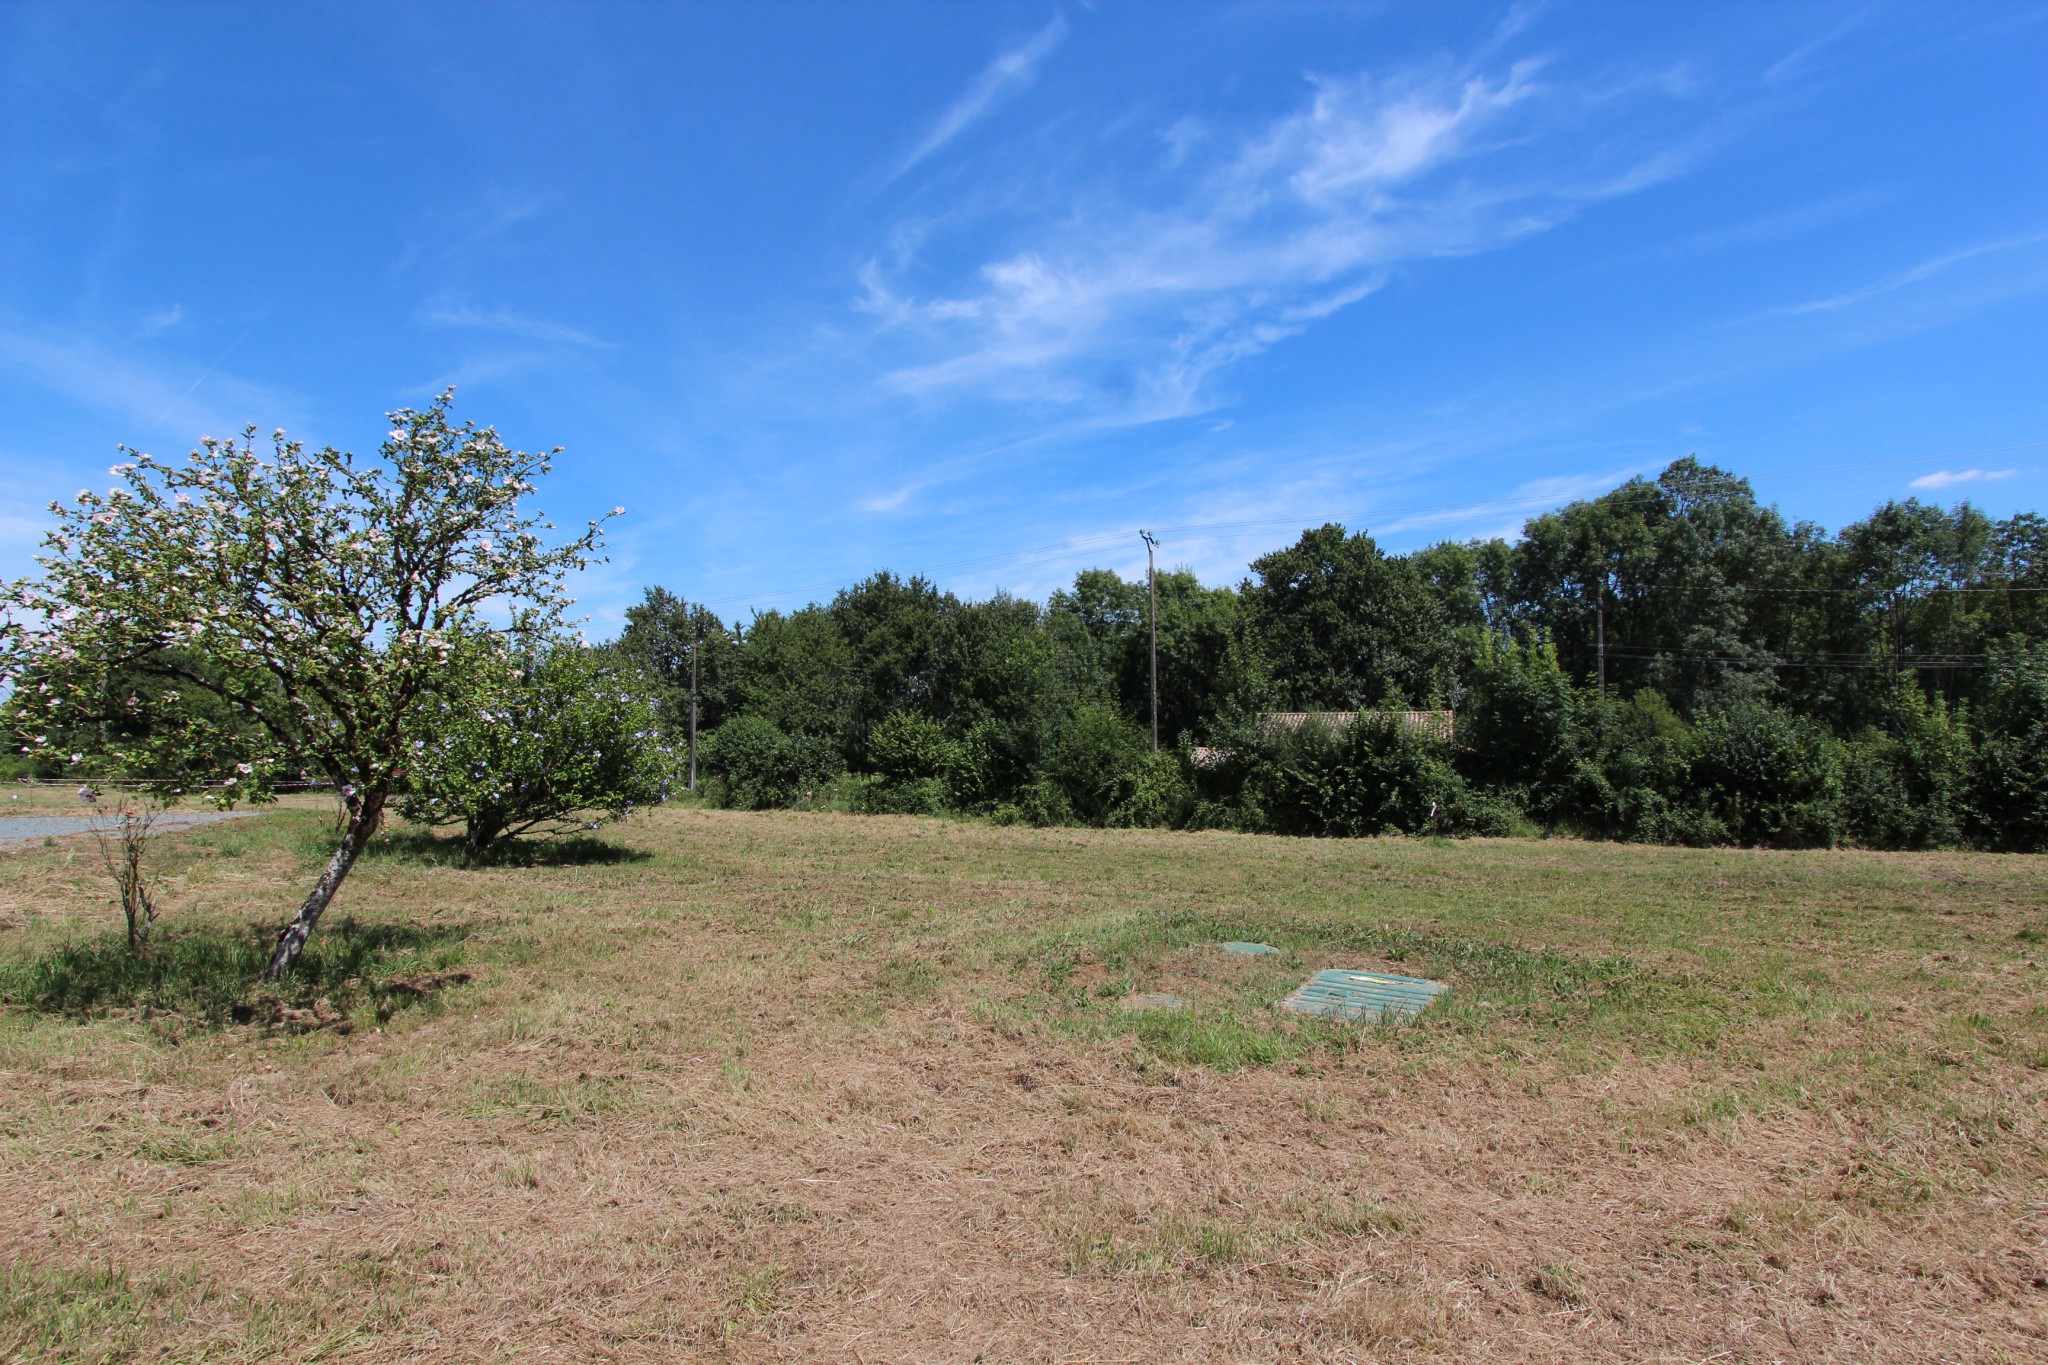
1670,661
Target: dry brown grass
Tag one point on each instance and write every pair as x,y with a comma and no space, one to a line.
829,1088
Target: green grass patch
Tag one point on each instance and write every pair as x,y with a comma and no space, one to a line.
189,1149
521,1097
213,976
1491,982
91,1314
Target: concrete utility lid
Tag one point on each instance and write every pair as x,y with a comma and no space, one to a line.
1249,948
1344,994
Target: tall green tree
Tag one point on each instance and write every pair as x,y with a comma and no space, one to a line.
1674,568
1342,626
664,634
1206,662
901,634
796,672
1912,573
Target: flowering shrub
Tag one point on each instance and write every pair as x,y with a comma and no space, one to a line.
323,594
539,741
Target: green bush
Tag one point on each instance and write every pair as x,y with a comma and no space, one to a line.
982,771
1637,782
758,766
920,796
909,747
1160,795
1523,731
1909,789
1770,777
913,757
1040,803
1097,763
1370,777
2007,789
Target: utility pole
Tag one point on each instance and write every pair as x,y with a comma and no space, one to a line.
1152,596
1897,651
696,639
1601,608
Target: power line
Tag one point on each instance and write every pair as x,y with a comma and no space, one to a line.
1648,654
1919,591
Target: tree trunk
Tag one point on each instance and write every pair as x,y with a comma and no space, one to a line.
478,836
293,938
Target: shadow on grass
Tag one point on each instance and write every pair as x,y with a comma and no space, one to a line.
428,849
212,977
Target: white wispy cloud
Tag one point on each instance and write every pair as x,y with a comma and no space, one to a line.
1949,478
1925,270
888,502
162,320
1793,62
474,226
152,397
1776,225
1001,78
1137,307
505,321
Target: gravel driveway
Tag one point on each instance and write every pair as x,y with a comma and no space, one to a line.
33,829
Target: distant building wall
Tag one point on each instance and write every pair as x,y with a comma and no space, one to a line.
1435,724
1440,725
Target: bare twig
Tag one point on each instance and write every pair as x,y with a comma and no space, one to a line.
123,828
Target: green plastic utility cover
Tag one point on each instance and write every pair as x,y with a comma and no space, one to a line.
1344,994
1249,948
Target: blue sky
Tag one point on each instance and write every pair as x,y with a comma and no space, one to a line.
977,290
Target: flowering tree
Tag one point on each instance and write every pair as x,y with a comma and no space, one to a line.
326,594
535,741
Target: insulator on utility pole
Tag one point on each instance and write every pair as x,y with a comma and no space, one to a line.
1152,614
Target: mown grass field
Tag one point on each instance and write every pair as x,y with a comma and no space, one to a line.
813,1087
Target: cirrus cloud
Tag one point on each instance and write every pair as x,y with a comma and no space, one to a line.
1949,478
1133,307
